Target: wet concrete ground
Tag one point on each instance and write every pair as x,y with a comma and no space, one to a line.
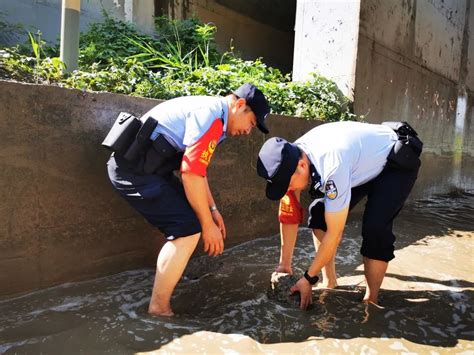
222,303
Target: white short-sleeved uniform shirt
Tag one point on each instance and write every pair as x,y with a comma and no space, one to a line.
346,155
185,119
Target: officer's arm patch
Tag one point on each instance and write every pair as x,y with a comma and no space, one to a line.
198,156
331,190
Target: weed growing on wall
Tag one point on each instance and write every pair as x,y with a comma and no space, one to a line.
180,59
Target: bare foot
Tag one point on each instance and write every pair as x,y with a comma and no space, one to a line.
157,311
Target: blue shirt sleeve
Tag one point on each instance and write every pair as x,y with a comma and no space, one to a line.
197,124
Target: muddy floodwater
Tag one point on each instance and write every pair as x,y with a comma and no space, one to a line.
426,305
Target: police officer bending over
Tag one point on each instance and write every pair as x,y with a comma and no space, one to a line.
187,132
340,163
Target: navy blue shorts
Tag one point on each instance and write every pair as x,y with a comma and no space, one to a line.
386,195
160,199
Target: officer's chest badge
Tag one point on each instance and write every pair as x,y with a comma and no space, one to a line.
331,190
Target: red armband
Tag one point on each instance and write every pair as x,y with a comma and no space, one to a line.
290,211
198,156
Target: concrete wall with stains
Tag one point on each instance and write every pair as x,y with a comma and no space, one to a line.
470,51
326,37
414,62
399,60
409,65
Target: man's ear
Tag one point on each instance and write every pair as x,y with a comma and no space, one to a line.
303,163
301,166
241,102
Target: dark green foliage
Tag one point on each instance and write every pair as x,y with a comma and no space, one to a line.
107,41
181,59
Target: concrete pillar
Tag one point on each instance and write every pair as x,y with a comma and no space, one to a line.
463,98
326,37
69,50
141,13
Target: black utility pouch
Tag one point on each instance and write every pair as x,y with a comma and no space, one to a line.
122,133
405,154
142,141
162,158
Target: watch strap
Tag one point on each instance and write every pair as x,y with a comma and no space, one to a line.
313,280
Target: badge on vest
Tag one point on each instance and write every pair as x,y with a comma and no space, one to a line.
331,190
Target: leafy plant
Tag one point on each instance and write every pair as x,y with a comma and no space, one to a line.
36,46
181,59
107,41
172,55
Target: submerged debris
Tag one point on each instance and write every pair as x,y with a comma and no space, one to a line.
279,290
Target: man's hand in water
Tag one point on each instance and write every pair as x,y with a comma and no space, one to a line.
304,288
213,240
284,269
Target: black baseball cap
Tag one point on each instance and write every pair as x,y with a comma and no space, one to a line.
277,162
257,102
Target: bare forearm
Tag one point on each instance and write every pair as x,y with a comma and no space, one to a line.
196,189
288,233
326,251
210,199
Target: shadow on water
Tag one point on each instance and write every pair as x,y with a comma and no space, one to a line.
228,295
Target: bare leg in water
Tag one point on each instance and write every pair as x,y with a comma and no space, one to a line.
374,271
171,262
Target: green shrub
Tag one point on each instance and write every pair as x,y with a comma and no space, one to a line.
181,59
107,41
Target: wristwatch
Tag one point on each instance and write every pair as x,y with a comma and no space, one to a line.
311,279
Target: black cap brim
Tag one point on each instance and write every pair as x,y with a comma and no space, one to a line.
261,126
277,189
261,115
276,192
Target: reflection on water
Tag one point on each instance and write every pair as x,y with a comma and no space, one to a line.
427,299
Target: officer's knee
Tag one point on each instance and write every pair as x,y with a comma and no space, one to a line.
373,229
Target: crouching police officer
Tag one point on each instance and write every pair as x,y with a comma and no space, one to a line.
185,137
340,163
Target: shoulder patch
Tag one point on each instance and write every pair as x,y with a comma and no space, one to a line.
331,190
